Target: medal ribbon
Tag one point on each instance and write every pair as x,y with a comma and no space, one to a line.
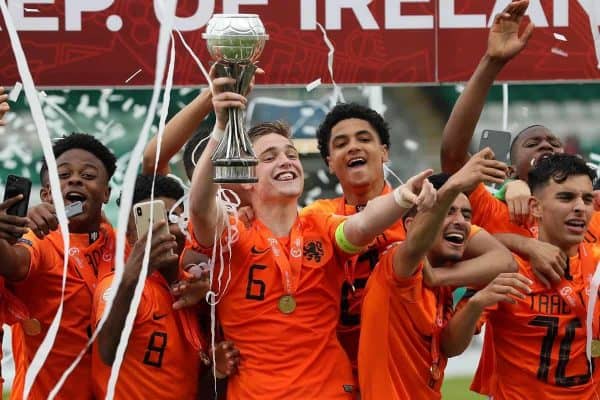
289,267
568,293
438,325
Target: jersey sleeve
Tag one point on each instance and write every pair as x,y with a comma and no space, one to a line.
409,289
40,259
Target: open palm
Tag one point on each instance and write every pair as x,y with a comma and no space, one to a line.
504,42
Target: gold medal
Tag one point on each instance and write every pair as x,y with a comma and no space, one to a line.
595,348
31,326
436,374
287,304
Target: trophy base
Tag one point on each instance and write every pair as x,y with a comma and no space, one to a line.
235,171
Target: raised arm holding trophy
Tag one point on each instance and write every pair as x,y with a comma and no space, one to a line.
235,41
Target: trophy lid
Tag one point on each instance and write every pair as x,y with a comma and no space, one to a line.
223,26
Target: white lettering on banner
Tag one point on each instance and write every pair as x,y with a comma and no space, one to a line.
22,23
395,20
535,12
233,6
448,18
74,9
194,22
333,14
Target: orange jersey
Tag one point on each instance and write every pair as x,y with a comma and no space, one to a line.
40,292
399,318
285,356
159,362
348,329
539,342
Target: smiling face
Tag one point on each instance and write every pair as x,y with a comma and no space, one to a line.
83,177
530,146
563,211
279,171
356,155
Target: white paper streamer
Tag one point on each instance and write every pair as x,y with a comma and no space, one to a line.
560,37
337,91
505,106
133,76
196,59
42,129
164,38
15,92
590,312
313,85
559,52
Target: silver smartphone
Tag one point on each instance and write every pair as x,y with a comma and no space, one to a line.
142,212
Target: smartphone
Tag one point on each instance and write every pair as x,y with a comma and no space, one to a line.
16,185
141,212
499,142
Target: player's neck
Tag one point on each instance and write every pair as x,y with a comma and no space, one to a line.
360,195
279,217
569,249
84,227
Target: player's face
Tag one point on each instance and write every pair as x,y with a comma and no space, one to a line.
83,178
279,171
564,210
531,146
356,155
173,227
450,244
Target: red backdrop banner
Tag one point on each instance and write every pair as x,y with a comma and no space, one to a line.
108,42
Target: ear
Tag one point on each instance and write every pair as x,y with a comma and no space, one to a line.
385,153
512,172
45,194
106,195
407,222
328,160
535,207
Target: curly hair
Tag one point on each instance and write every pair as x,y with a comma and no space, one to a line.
83,141
557,167
164,186
344,111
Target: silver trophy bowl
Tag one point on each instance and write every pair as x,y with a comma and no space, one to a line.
235,41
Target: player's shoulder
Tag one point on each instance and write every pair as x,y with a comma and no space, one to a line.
327,206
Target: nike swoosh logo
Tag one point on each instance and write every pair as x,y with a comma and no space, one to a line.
254,250
157,316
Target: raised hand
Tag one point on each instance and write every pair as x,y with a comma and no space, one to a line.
192,290
504,41
548,262
480,168
417,191
224,98
161,251
11,226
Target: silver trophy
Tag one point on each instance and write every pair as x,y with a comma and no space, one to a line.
235,41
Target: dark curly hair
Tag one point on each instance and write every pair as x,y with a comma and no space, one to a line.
83,141
164,186
344,111
557,167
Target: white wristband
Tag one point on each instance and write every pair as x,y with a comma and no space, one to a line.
402,201
217,133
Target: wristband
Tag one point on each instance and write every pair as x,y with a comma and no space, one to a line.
400,200
217,133
343,242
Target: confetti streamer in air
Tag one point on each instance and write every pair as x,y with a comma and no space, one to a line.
559,52
337,91
195,58
15,92
164,38
560,37
42,129
133,76
313,85
504,106
126,201
411,145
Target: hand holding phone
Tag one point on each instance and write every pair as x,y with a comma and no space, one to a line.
499,142
142,212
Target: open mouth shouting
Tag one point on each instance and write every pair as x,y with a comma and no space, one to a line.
535,160
455,238
356,162
74,196
576,226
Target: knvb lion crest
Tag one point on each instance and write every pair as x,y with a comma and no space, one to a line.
313,250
